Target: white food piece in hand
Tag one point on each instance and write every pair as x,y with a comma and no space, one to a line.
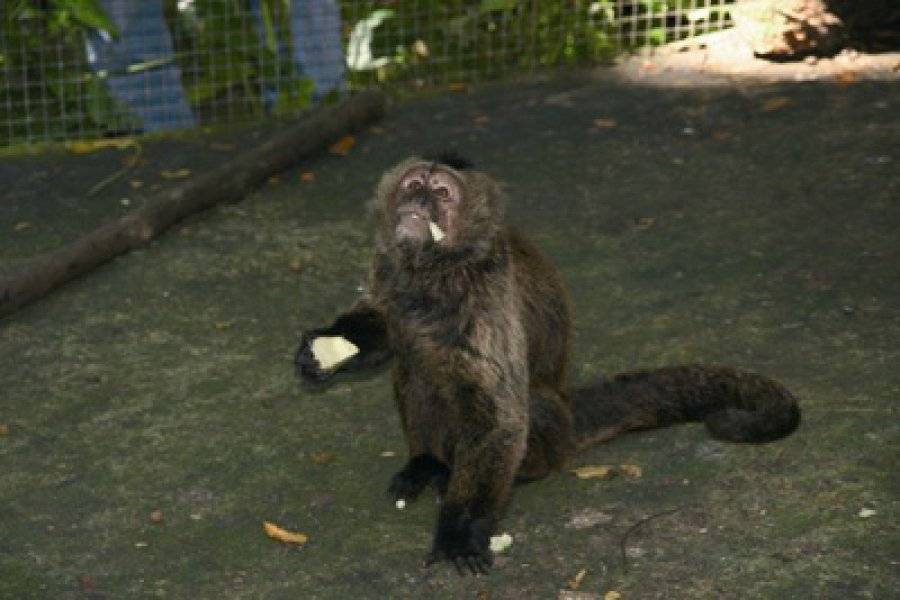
500,543
331,351
436,233
400,504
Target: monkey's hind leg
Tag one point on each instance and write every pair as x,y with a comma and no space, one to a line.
420,472
550,435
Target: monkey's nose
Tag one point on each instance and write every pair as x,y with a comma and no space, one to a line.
422,200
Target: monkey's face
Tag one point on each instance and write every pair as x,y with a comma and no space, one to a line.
426,206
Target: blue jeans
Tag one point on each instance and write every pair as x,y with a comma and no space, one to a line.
156,95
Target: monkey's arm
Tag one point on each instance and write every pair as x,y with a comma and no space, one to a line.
363,326
477,493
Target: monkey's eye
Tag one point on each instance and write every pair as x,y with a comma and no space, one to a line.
442,192
413,185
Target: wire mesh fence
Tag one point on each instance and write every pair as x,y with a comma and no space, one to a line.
87,68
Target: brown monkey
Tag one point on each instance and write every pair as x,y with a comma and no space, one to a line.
478,324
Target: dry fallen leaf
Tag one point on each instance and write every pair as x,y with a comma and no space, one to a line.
307,176
88,146
631,470
593,471
642,223
283,535
156,516
342,146
322,458
86,584
4,429
846,77
136,184
458,87
175,173
576,581
481,120
604,123
612,595
776,103
296,265
21,226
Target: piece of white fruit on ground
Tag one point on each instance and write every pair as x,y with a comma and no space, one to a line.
400,504
500,543
331,351
437,233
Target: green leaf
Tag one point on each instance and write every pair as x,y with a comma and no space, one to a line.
657,35
271,42
496,5
87,13
296,95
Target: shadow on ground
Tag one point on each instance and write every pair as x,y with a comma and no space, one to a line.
151,419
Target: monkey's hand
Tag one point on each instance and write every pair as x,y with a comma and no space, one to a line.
463,540
307,363
418,473
357,340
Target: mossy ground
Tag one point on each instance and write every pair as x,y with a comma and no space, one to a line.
758,227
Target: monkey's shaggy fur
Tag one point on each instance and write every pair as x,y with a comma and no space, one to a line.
479,327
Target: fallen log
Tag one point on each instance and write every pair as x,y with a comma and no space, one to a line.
229,182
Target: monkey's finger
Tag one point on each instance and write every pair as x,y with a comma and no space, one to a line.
431,558
483,567
476,566
460,563
308,367
485,561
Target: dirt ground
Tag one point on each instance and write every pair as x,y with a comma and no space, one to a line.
150,420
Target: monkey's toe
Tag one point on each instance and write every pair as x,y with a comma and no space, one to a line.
465,542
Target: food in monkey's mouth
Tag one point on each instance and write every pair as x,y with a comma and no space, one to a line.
437,234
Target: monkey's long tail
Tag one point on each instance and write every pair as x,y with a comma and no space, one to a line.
737,406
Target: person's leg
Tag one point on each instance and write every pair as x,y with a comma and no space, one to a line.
318,53
154,94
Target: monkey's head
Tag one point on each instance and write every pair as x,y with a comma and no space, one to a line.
429,206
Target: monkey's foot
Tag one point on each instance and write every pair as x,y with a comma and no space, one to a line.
418,473
464,541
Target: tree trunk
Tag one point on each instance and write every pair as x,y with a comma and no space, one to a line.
229,182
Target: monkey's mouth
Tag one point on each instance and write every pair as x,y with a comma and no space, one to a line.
413,224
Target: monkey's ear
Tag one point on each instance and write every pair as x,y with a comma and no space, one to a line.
452,159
